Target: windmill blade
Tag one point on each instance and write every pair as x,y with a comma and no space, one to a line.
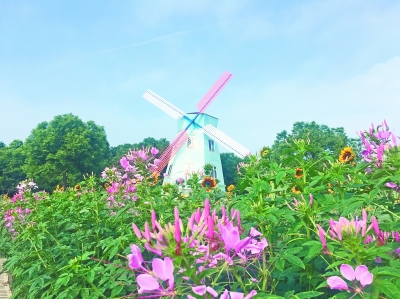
172,149
163,104
213,92
226,141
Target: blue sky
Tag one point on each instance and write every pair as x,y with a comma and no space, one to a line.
333,62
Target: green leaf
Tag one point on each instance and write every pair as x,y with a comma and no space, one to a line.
295,261
387,271
388,288
310,294
116,290
268,296
352,207
280,264
279,176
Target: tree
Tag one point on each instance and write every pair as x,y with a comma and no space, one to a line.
12,159
229,162
322,139
63,150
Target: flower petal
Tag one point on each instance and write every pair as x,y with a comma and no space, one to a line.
250,295
199,290
360,270
336,283
236,295
146,283
363,275
224,295
212,292
347,272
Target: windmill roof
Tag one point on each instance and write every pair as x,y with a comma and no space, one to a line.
202,113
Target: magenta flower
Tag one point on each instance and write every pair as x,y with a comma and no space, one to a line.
237,295
135,259
359,276
346,228
202,290
154,151
162,269
230,237
393,186
125,164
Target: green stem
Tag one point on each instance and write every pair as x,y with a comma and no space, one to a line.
390,212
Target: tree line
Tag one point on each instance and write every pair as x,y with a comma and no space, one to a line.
61,151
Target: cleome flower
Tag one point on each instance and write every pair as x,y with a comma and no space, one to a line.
360,278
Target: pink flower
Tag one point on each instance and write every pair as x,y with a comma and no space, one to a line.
361,274
237,295
125,163
231,238
162,269
135,259
154,151
202,290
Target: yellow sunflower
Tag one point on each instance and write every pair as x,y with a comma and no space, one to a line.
264,153
106,185
208,182
77,187
346,155
230,188
296,190
330,190
299,173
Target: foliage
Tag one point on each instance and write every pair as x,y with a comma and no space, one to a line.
330,222
324,139
61,151
12,159
229,163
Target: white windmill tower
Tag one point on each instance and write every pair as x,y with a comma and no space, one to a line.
196,143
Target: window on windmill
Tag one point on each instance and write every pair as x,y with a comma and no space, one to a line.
211,145
191,142
169,170
214,172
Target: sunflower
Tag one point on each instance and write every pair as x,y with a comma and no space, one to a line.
77,187
106,185
208,182
299,173
230,188
330,190
346,155
296,190
264,153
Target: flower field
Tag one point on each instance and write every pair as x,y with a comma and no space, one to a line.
309,227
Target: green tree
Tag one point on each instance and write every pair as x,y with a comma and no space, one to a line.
321,137
12,159
63,150
229,162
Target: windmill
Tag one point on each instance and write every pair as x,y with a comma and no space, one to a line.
198,130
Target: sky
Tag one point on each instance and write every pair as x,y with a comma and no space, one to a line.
333,62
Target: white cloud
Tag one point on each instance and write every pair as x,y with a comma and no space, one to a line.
255,114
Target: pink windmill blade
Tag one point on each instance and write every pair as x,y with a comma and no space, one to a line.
172,149
213,92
